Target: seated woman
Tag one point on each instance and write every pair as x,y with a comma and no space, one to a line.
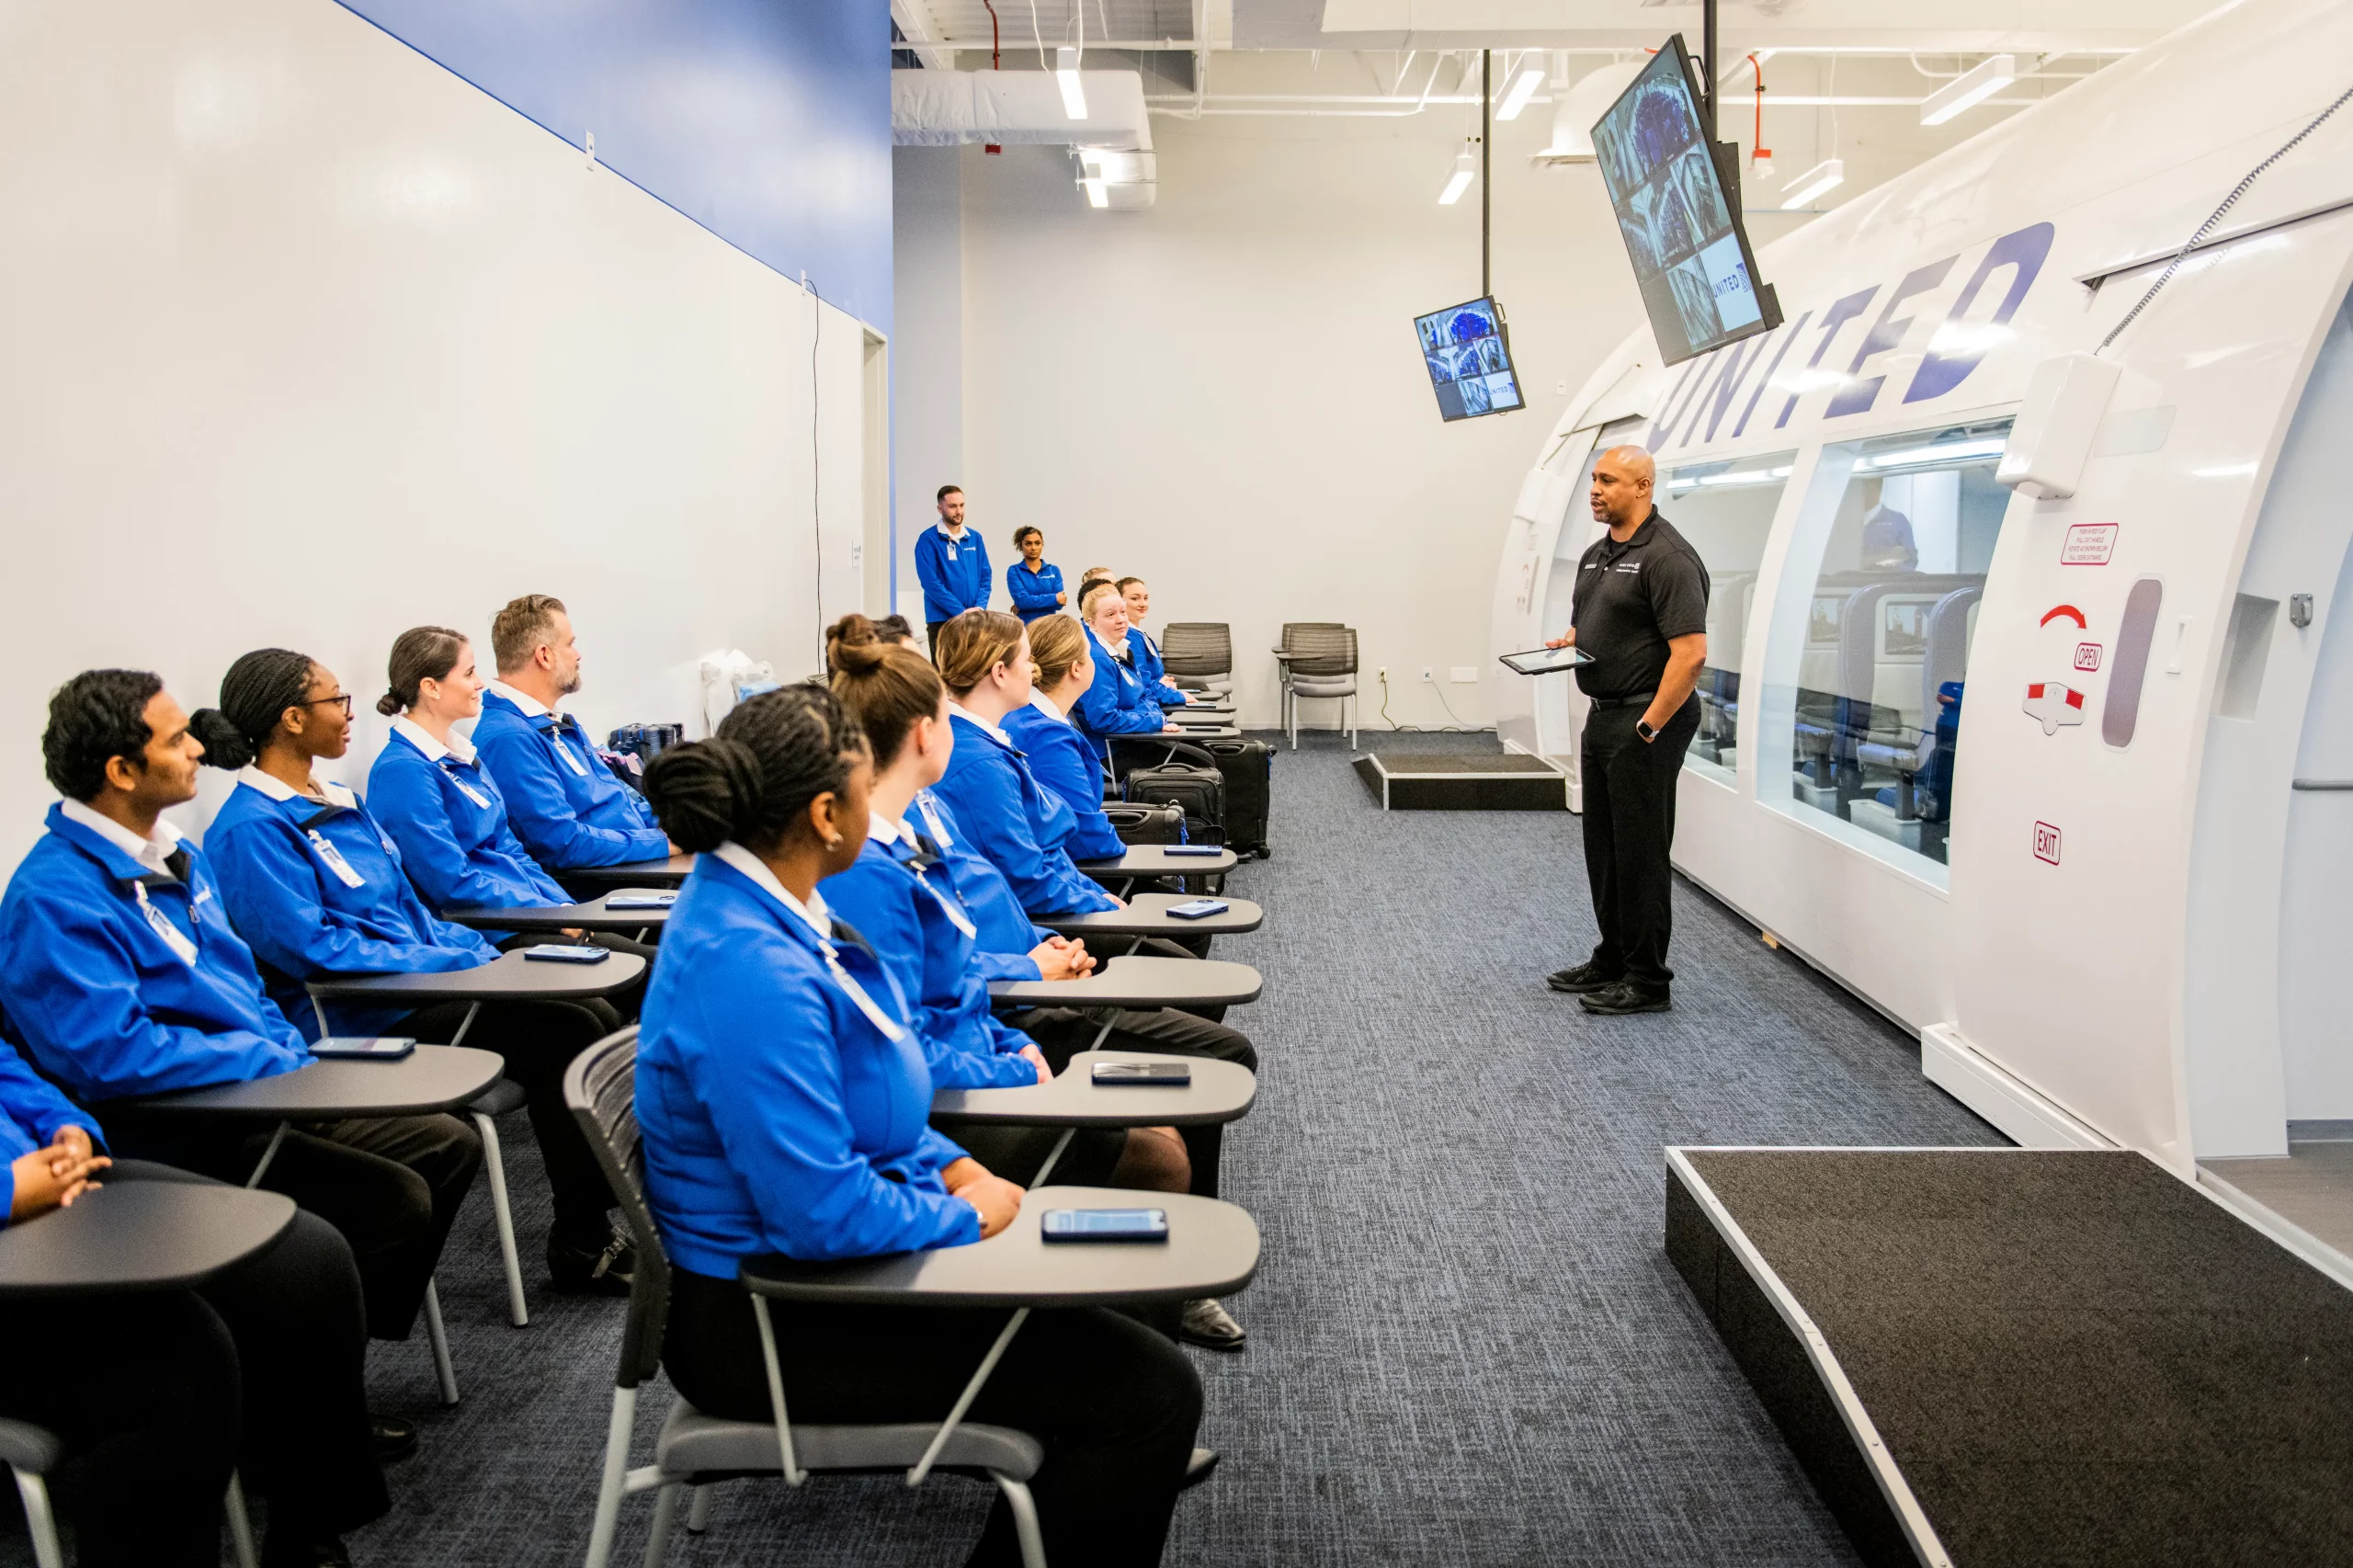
319,888
157,1395
1059,755
1115,702
1036,587
1143,652
903,902
782,1099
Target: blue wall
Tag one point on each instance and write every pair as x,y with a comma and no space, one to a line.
766,121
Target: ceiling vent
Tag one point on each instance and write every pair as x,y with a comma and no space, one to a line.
1113,142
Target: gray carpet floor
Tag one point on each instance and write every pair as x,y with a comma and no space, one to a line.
1467,1346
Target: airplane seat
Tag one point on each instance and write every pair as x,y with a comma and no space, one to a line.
1926,746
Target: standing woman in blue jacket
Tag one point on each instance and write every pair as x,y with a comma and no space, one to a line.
783,1099
1036,587
318,887
953,564
1060,758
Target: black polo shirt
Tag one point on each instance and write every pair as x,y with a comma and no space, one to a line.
1629,599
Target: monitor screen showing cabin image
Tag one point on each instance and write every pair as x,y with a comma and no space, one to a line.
1469,360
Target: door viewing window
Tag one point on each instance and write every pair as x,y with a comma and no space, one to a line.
1726,509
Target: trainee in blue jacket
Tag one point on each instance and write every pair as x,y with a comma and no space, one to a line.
1061,760
783,1101
118,980
565,805
1115,703
1152,670
954,573
32,1113
903,902
1012,820
1007,933
1033,592
318,889
446,813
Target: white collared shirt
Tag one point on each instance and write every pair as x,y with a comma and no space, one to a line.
1045,704
1117,650
149,852
279,790
887,830
418,736
960,711
953,535
813,914
531,705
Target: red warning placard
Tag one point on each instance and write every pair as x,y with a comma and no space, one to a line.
2088,544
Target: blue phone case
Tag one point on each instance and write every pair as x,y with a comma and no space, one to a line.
1200,908
1206,851
1104,1225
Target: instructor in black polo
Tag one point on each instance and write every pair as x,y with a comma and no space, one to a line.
1640,612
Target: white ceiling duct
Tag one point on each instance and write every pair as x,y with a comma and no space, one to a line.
1581,106
950,109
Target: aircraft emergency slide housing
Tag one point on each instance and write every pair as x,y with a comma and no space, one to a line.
2028,715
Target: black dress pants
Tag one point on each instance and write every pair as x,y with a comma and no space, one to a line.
157,1397
1115,1405
390,1184
1630,788
1062,1032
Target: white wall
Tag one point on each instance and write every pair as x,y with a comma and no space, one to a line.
310,341
927,352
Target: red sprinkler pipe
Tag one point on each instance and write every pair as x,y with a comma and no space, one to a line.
1757,148
994,64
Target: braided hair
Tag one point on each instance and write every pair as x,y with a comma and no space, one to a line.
752,781
254,696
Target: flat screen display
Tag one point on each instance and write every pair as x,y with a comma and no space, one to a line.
1469,360
1690,254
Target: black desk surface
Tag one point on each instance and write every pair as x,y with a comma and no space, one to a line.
1140,980
1212,1250
433,1077
594,879
510,977
1152,860
594,915
1147,915
1220,1091
139,1235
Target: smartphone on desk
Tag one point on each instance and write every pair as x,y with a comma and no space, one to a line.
1199,909
558,952
1105,1225
1149,1074
364,1047
1206,851
642,897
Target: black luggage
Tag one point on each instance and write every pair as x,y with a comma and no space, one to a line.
1249,768
1137,822
1200,792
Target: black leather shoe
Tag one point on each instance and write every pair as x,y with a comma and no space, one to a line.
1622,998
605,1271
325,1551
1198,1468
1585,977
396,1439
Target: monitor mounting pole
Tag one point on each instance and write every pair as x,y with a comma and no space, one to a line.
1708,74
1486,132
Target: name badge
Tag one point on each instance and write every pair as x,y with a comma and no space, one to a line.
949,906
931,820
173,937
467,789
952,552
571,758
334,860
890,1028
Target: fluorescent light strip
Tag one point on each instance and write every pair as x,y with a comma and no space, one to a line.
1969,89
1066,77
1097,196
1824,176
1958,452
1523,88
1458,181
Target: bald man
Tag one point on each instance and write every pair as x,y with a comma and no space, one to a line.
1641,612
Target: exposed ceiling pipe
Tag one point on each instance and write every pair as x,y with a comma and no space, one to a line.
948,109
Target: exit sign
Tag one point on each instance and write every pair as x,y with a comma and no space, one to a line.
2046,843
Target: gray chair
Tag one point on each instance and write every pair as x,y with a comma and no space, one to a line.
1199,655
32,1452
695,1450
1318,662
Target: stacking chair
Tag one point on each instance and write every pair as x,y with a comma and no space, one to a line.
1199,655
1318,661
31,1452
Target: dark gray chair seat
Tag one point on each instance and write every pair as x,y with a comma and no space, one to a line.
694,1444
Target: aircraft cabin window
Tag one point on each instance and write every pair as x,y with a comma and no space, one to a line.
1878,694
1726,509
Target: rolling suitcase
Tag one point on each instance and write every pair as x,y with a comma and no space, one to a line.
1199,793
1137,822
1249,768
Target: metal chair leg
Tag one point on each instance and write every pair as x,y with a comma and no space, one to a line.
40,1519
493,1162
618,1427
241,1524
665,1513
439,1339
698,1509
1025,1520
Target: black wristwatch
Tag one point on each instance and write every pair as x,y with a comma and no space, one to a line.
1643,728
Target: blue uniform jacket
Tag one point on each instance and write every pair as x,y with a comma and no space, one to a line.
565,805
954,573
777,1117
320,890
903,902
1033,592
1011,819
1152,671
107,1004
450,823
1115,703
1061,760
1006,934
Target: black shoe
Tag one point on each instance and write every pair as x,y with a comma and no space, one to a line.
324,1551
1586,976
601,1271
1624,998
396,1439
1198,1468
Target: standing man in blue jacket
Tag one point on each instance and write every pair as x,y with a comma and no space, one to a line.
566,806
952,563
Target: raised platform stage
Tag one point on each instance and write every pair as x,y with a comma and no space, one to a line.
1463,781
1998,1356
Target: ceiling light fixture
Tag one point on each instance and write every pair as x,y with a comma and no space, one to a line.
1523,87
1465,169
1066,76
1969,89
1824,176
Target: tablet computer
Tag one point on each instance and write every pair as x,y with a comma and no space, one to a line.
1545,661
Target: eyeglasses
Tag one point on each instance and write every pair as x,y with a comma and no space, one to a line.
342,700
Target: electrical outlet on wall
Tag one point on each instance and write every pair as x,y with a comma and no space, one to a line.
1428,674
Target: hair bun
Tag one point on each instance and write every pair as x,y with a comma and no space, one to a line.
390,704
702,791
225,746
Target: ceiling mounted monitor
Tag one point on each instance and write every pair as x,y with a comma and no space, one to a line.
1679,215
1469,360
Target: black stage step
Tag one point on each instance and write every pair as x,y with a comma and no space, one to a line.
1998,1357
1464,781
